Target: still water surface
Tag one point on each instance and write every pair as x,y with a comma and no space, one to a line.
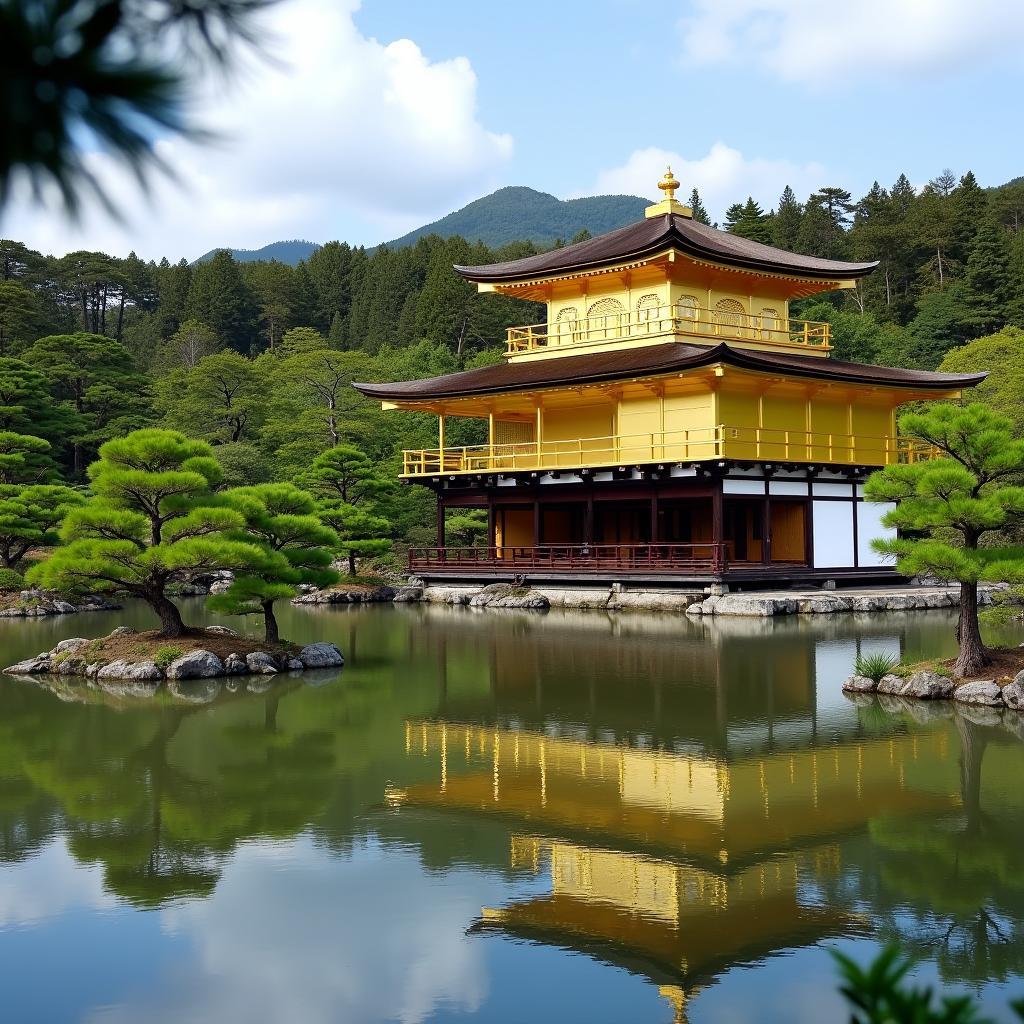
503,817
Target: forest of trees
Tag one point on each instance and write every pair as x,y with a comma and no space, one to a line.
257,358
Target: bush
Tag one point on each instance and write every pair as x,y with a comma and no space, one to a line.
11,579
879,993
874,666
165,655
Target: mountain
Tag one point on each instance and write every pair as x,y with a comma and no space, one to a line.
517,213
512,214
284,252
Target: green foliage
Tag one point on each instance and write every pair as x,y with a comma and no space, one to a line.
880,994
945,507
95,383
23,458
29,516
153,522
466,529
875,665
164,655
221,398
11,579
282,522
1002,355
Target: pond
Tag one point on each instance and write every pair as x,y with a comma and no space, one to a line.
503,817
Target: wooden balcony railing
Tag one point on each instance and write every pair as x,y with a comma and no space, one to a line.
691,321
756,444
664,557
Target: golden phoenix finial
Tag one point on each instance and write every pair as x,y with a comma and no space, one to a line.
669,184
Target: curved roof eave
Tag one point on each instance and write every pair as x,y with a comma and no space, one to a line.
652,361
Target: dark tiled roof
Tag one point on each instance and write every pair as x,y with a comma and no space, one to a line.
619,364
649,237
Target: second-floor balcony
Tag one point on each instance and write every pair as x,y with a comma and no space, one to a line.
708,326
754,444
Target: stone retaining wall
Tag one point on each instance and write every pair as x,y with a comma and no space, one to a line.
621,598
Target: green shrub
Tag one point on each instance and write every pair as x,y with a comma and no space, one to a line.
165,655
943,670
11,579
880,994
874,666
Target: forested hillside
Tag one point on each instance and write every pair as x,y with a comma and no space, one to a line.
257,357
512,214
516,213
290,252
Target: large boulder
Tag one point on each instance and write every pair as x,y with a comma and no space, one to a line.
321,655
504,595
261,664
30,666
221,630
195,665
928,686
69,645
985,692
1013,695
130,670
860,684
891,684
234,665
408,594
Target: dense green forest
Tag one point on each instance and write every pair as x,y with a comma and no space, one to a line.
257,358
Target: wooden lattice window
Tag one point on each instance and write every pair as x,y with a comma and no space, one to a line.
730,312
566,323
686,307
605,318
770,323
647,307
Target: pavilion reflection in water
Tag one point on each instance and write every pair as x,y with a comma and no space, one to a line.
675,865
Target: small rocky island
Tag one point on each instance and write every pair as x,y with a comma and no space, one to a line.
198,654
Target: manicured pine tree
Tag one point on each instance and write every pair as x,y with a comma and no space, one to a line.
946,507
348,487
280,519
26,405
152,522
24,459
29,517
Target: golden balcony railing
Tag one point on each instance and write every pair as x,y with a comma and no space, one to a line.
755,444
710,325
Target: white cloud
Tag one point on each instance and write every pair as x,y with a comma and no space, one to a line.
722,176
344,135
49,883
303,938
805,41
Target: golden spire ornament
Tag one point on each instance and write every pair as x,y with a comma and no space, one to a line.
668,184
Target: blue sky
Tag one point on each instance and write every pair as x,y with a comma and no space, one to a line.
388,114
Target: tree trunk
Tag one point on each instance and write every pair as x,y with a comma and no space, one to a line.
973,656
270,632
351,563
170,617
973,740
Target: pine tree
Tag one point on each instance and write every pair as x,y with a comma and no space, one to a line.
152,522
748,221
220,298
700,214
988,282
786,223
970,210
282,521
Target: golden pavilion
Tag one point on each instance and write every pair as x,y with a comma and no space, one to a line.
670,420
